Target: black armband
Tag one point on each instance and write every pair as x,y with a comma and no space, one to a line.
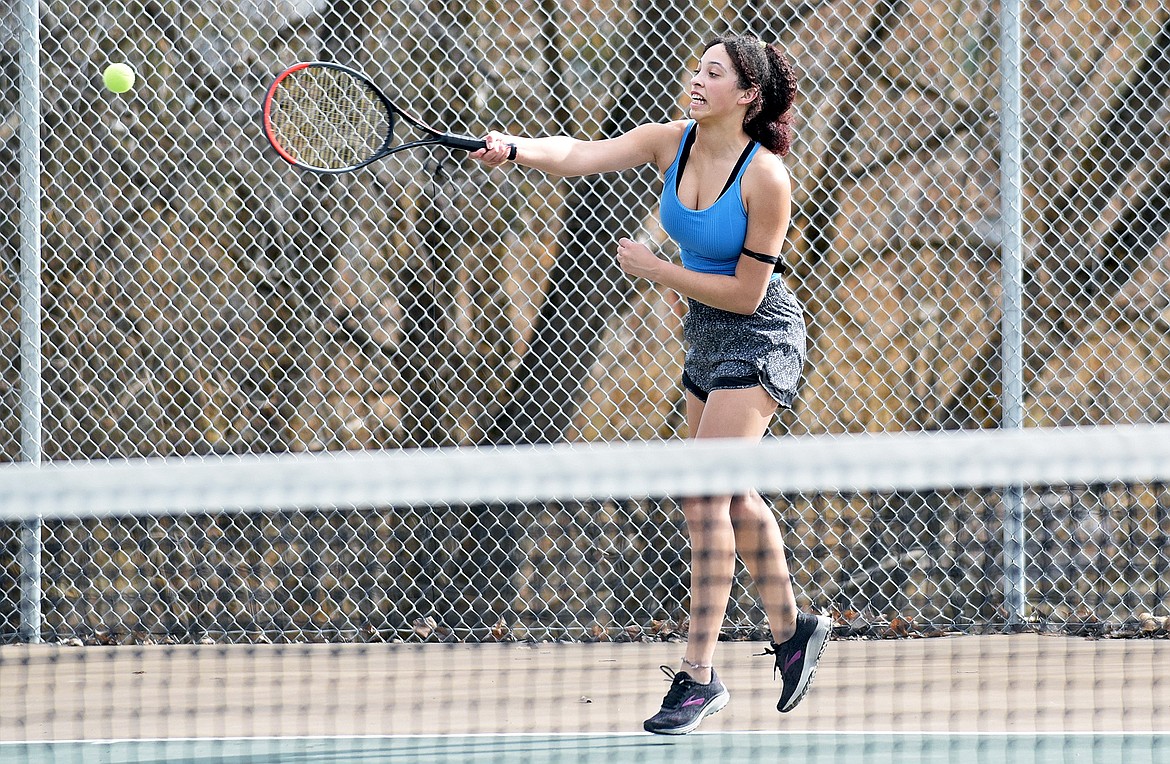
769,259
773,260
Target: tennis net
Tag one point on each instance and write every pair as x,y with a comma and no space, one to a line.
993,596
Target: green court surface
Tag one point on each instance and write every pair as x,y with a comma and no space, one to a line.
1129,748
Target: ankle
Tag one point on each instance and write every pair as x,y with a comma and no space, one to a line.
784,633
700,672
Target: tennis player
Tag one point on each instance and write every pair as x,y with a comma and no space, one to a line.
726,202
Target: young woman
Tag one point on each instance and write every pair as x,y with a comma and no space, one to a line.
726,201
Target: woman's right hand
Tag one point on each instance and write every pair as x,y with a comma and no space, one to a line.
499,146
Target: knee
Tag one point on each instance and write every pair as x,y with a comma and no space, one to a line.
705,510
748,508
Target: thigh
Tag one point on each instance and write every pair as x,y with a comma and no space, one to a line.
694,412
739,413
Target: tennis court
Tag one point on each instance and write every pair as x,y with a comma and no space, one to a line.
917,694
1018,698
270,496
702,746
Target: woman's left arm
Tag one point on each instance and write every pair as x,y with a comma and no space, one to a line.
767,194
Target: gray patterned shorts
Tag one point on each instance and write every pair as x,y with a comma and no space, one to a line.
729,351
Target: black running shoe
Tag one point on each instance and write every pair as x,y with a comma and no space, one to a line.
686,704
796,658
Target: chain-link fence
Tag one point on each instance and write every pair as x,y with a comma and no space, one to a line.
202,298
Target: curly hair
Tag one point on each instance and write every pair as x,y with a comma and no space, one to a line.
765,67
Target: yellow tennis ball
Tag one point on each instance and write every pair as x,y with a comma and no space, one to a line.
118,78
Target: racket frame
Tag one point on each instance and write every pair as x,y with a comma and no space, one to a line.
434,137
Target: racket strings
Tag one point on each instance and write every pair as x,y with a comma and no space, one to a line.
328,119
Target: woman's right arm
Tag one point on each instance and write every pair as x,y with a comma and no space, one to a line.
569,157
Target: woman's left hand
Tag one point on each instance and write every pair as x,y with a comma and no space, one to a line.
637,259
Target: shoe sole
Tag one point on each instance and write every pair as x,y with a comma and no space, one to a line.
816,646
715,706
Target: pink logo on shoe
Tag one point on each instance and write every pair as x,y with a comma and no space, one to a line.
795,657
694,702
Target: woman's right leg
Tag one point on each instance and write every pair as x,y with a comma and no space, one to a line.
712,542
695,690
734,413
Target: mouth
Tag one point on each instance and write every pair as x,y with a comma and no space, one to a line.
697,99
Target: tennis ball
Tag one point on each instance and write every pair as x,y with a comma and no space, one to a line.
118,78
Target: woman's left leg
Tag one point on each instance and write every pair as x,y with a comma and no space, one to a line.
761,547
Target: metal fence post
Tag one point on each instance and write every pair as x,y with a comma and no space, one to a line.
1012,348
30,306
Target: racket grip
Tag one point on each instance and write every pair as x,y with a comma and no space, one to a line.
467,144
473,144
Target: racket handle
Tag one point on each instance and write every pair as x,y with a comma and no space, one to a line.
473,144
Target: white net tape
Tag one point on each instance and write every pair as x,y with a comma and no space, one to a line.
809,464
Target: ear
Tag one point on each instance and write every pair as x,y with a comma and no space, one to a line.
748,96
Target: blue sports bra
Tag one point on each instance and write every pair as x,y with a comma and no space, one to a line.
709,240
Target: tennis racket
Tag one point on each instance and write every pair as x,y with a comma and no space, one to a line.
328,118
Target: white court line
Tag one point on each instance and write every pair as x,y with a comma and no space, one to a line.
608,735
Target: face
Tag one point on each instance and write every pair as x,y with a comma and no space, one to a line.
714,86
